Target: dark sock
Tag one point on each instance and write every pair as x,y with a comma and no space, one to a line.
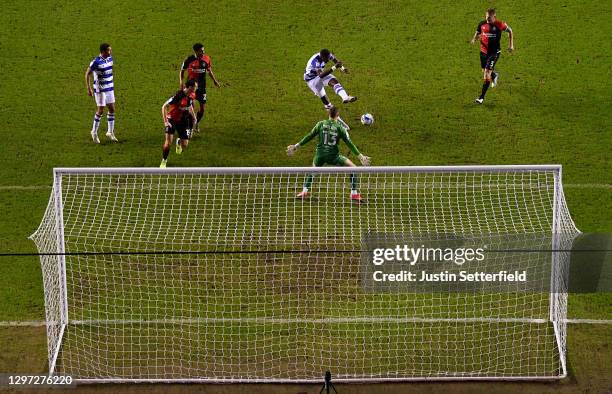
199,117
493,75
353,179
325,100
166,153
308,181
485,86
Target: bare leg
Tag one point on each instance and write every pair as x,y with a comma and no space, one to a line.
167,144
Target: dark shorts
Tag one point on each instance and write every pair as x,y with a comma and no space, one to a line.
488,61
201,95
182,128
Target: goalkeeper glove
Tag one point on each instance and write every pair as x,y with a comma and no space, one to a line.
292,148
365,160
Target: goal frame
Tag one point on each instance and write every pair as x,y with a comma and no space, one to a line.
558,205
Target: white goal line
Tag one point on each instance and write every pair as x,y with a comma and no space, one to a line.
255,320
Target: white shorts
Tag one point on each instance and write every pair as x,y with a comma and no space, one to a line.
317,85
104,98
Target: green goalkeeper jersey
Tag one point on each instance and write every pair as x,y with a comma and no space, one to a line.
330,133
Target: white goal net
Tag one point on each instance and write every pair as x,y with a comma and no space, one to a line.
222,275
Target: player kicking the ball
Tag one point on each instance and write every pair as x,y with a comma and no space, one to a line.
330,132
178,116
490,32
316,77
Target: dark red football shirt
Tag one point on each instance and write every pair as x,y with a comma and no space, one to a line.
490,36
179,105
197,67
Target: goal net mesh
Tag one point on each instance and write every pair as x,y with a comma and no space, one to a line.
223,275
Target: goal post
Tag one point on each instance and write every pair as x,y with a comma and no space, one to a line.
223,275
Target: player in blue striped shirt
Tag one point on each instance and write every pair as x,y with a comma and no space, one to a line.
316,77
103,90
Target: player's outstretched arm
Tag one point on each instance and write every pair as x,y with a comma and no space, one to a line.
212,76
87,85
474,38
347,140
323,74
193,115
511,39
181,78
292,148
164,112
338,64
365,160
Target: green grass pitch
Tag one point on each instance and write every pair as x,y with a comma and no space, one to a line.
411,67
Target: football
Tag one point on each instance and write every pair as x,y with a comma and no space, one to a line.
367,119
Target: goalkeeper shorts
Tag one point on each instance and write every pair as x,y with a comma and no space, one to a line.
321,159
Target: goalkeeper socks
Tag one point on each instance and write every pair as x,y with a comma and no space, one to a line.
96,123
111,122
340,91
485,86
353,179
308,182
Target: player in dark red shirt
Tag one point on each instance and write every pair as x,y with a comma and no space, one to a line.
490,32
197,66
179,116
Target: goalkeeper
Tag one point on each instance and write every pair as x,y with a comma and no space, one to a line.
330,132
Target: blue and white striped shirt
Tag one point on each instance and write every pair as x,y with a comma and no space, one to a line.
315,63
102,74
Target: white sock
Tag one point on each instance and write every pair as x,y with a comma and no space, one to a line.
353,192
96,124
111,122
305,190
340,91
